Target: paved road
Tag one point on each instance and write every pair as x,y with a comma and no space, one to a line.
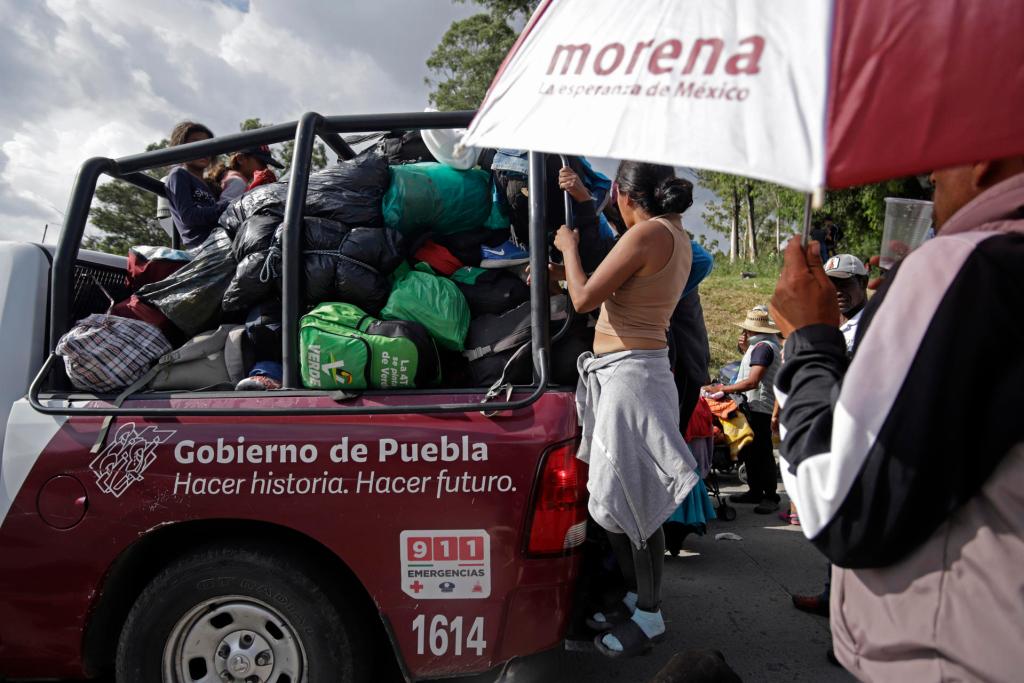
730,595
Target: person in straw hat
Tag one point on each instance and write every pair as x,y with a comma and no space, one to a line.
762,355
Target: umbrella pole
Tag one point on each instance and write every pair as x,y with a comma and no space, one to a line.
806,239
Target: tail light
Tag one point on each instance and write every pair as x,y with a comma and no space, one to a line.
559,518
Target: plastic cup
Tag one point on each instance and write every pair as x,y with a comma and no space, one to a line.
906,224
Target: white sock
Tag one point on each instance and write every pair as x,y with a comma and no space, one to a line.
629,600
651,623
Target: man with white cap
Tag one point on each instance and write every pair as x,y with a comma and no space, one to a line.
850,278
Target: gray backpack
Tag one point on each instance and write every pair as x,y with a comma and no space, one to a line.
208,359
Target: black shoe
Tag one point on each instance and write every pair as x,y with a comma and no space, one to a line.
747,498
673,538
766,506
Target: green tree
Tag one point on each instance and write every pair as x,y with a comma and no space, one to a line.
860,212
463,65
784,211
757,216
724,213
126,215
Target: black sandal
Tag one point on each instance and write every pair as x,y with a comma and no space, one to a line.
633,639
614,615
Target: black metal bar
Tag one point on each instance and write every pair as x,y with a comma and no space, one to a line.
294,208
224,144
304,133
283,132
540,302
75,217
145,182
570,311
805,236
567,199
170,413
409,121
175,238
338,144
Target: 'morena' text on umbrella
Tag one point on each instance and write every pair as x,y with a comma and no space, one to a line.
661,58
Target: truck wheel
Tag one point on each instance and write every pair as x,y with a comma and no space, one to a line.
233,614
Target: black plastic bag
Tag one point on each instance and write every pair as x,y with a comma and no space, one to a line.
256,234
348,191
191,298
321,243
404,147
267,200
368,257
344,264
252,282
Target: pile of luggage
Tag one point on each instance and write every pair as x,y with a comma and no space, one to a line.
412,275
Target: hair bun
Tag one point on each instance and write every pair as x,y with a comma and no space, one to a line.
674,195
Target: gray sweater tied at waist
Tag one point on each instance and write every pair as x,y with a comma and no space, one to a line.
640,467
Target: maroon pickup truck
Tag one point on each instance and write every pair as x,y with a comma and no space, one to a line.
274,537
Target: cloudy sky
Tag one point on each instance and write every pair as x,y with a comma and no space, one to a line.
84,78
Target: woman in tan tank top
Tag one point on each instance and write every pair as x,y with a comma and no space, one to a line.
639,283
640,467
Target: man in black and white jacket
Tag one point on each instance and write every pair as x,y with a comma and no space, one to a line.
907,464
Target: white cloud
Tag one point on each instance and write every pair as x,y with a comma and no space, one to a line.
88,78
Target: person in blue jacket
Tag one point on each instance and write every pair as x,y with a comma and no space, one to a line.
194,208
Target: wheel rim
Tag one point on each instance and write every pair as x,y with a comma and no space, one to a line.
233,639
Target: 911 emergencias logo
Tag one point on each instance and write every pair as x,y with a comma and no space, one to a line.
129,454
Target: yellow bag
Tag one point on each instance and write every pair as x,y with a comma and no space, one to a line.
737,433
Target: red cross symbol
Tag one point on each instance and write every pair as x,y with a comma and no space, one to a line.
416,587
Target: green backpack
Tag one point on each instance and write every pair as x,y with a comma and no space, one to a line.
342,347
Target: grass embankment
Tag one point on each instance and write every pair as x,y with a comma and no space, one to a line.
726,297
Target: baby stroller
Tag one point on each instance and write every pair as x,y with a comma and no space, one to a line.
732,432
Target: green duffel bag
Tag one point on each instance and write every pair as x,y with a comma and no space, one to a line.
433,301
435,197
343,347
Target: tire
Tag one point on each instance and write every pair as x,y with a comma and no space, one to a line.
225,609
